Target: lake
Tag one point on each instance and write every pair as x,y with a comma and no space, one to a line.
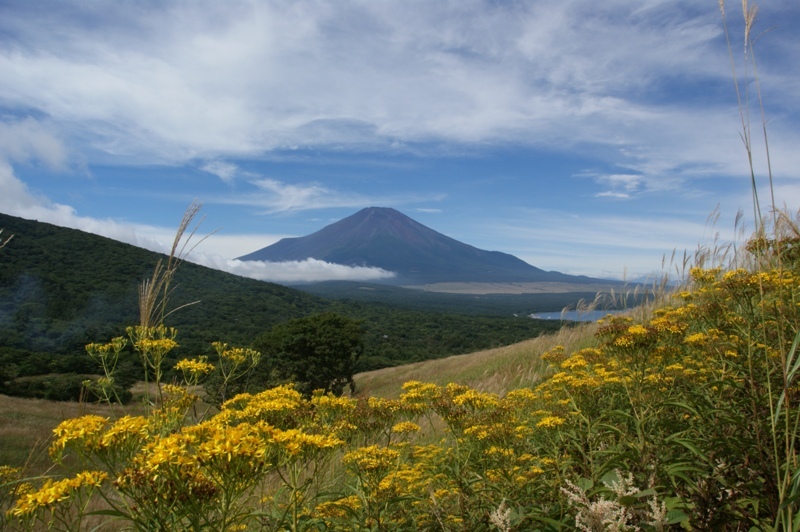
574,315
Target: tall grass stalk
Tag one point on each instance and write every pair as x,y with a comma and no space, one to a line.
4,241
150,338
154,293
767,248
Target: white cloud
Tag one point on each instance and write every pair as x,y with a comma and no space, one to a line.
609,194
225,171
286,197
290,272
185,80
276,196
621,185
28,139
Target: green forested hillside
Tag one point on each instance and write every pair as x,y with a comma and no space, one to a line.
61,289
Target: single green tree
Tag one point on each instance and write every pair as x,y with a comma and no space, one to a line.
318,352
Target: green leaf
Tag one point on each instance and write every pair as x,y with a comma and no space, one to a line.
676,516
112,513
689,444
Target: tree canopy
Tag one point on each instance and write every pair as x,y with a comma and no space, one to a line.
316,352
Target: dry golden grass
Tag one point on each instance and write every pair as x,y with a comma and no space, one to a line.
495,370
26,426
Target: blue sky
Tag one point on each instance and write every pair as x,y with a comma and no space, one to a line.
585,137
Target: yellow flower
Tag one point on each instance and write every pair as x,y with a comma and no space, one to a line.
521,396
550,422
273,405
623,341
574,362
406,426
704,276
236,356
86,431
419,392
554,355
476,399
637,330
9,474
124,430
499,451
169,451
372,458
296,442
195,366
228,443
696,339
340,508
54,492
332,402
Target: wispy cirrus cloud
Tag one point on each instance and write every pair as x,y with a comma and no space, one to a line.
273,196
227,172
181,81
620,185
281,197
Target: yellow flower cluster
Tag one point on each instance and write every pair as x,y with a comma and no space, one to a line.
236,356
550,422
53,492
296,442
574,362
340,508
9,474
156,345
195,366
125,430
225,443
85,432
419,393
405,427
275,406
331,403
476,400
373,458
554,355
705,276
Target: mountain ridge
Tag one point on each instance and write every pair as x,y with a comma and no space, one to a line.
385,238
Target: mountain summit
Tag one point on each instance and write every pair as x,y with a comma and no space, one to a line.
385,238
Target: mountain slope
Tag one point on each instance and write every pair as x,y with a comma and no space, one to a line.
62,288
385,238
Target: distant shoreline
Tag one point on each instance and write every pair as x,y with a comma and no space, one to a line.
574,315
515,288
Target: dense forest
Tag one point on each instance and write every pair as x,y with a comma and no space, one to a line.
477,304
61,289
